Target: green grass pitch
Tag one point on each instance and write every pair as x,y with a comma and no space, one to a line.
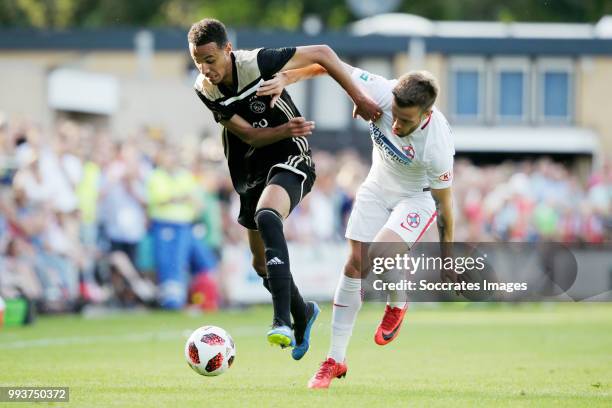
446,355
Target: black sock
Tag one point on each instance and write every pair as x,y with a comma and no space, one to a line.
270,226
298,308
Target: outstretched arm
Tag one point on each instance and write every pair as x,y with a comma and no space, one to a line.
274,87
327,58
259,137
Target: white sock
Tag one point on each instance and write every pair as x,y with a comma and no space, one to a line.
347,302
401,305
395,298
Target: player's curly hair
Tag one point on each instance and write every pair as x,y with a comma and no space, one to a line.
416,88
206,31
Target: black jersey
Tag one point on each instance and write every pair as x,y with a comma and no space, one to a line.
249,166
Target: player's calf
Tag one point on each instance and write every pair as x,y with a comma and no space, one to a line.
270,225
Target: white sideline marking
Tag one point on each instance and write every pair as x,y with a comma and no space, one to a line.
130,338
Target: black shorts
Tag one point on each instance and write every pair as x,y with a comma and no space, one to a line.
296,181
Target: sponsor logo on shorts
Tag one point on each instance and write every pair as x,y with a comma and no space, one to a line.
412,221
446,176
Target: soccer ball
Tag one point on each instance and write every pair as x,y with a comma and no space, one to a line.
210,351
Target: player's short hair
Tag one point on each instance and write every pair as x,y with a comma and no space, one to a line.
206,31
416,88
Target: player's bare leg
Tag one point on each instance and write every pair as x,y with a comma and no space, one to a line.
272,208
257,248
397,304
347,302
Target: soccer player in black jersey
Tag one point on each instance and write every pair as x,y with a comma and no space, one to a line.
268,155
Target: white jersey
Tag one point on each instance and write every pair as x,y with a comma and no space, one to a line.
410,163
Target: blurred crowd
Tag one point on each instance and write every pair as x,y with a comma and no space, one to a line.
87,217
532,201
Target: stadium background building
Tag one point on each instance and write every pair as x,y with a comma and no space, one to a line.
510,90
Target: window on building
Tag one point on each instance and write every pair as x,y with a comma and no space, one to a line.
555,93
467,89
511,83
467,84
511,87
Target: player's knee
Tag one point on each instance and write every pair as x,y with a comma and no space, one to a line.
276,197
383,250
267,219
269,223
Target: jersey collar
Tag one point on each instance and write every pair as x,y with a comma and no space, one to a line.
234,90
427,120
422,125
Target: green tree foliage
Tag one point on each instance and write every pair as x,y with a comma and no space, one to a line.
515,10
275,14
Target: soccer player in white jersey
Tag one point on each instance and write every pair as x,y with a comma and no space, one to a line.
407,188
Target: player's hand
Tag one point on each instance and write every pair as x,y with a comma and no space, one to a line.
299,127
366,108
273,87
449,275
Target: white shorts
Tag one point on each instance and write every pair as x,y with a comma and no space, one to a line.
408,215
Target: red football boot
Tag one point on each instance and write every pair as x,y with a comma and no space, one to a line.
389,327
327,372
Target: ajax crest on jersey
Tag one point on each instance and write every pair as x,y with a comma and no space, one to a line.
210,351
257,106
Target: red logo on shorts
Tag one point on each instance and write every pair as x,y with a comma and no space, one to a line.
446,176
412,220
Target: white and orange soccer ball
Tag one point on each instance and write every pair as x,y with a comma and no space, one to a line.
210,351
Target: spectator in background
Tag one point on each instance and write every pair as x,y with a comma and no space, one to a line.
56,178
17,275
599,198
88,192
173,197
123,201
324,203
208,226
351,172
38,239
67,150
